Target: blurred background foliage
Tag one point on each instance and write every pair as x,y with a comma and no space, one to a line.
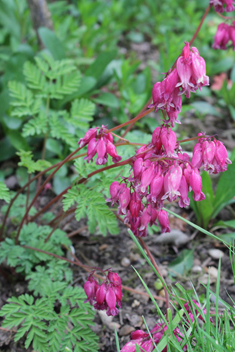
118,49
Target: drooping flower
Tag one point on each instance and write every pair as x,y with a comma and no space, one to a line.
222,36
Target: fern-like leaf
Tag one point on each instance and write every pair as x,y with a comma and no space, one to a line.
4,192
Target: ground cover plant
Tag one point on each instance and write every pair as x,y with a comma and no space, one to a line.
60,95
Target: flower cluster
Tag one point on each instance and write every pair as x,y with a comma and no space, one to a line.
145,342
219,5
187,77
107,295
100,143
224,34
160,171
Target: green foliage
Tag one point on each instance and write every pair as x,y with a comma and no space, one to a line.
32,166
48,81
46,328
18,209
209,208
91,203
4,192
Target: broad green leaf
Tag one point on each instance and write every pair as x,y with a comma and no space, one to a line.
205,108
225,191
53,146
97,68
228,223
17,140
204,208
107,99
52,43
182,263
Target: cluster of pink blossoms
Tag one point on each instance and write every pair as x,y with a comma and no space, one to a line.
187,77
224,34
219,5
100,143
107,295
145,342
160,171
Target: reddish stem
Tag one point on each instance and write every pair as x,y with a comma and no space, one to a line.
200,24
225,17
40,190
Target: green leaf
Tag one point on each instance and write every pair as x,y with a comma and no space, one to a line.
97,68
4,192
17,140
53,146
204,208
107,99
182,263
205,108
52,43
225,191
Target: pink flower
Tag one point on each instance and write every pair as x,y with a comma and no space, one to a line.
147,177
208,153
90,288
185,72
229,5
168,139
111,302
124,200
114,278
232,34
156,187
100,297
91,133
135,204
111,150
91,151
172,182
196,185
197,156
138,334
184,200
156,140
222,36
199,71
101,152
163,221
144,221
221,157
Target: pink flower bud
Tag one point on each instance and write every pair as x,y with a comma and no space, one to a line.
101,152
114,278
124,200
184,70
229,5
90,288
91,133
187,173
91,150
144,221
135,204
172,115
111,302
100,297
156,187
111,150
221,156
232,34
196,185
147,177
157,95
114,192
138,334
183,189
156,140
109,137
199,70
221,37
176,99
138,168
197,156
168,139
118,292
169,83
208,153
163,221
172,182
147,346
131,346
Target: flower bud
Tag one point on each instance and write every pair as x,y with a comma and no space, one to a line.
168,139
101,152
196,185
156,187
163,221
124,200
111,302
114,278
91,150
90,134
147,177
